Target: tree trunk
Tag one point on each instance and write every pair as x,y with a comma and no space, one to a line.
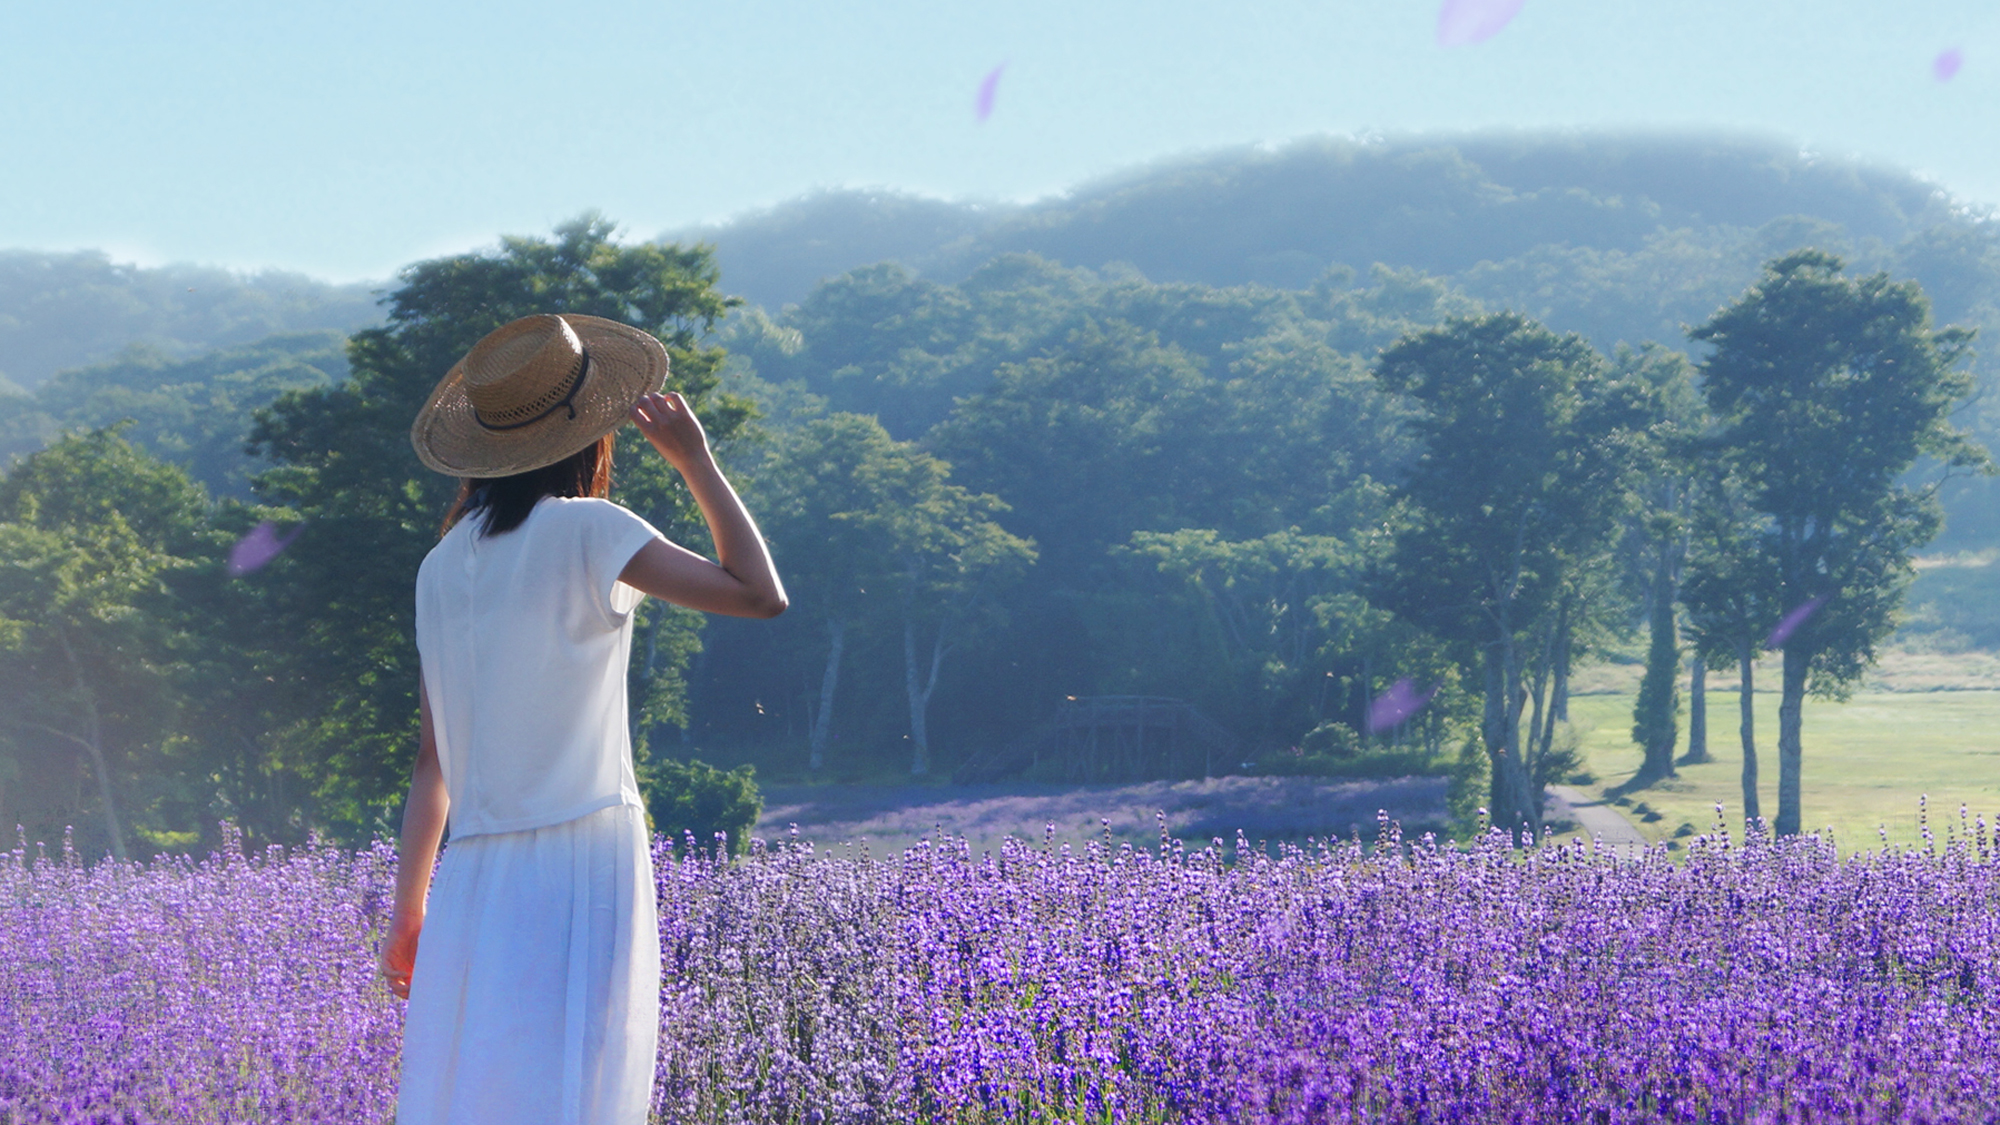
919,689
1517,808
1527,795
1533,748
1559,694
1697,710
1367,701
1791,715
1745,655
1655,725
1491,723
822,728
93,744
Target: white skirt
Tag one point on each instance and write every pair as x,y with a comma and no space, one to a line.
536,993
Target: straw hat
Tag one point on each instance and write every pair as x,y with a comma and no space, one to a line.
535,391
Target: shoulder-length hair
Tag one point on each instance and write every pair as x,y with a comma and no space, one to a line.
503,503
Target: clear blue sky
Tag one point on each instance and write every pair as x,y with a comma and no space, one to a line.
345,139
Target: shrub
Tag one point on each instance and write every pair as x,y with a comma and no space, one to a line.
695,797
1470,781
1334,750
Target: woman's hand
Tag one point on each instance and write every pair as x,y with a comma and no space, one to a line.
399,954
743,582
673,429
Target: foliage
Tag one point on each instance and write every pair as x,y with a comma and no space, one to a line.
1250,627
1406,982
695,800
1334,750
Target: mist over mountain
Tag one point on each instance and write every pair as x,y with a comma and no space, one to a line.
64,310
1456,206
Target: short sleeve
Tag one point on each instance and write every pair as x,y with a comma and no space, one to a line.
612,534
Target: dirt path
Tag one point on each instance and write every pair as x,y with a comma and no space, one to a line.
1595,819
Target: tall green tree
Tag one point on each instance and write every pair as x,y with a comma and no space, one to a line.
1525,467
814,489
90,530
343,461
1827,390
947,560
1657,542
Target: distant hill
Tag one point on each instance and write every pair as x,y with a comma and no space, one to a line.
68,310
195,412
1442,204
1624,237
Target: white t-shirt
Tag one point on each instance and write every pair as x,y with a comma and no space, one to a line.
525,638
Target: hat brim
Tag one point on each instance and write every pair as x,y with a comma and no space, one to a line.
625,364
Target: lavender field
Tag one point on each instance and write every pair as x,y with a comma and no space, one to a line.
1416,982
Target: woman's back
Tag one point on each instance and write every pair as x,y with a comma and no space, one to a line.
525,638
534,996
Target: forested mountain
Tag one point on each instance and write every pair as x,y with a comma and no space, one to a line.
68,310
195,412
1441,204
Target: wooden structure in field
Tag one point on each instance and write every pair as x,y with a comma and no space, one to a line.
1112,738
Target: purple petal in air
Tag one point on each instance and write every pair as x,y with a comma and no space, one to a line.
1792,621
982,106
1397,704
1473,21
1945,66
255,550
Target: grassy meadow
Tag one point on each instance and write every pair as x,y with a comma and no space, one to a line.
1867,762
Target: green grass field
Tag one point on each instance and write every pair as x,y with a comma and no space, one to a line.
1867,762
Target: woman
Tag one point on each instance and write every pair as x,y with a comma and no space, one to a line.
534,994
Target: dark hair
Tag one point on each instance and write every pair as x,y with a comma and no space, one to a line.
503,503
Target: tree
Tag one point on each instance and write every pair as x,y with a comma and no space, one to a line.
1657,538
1827,389
1525,465
343,461
89,529
947,558
1255,627
814,491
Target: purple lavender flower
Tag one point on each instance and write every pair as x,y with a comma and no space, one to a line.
1756,980
1945,66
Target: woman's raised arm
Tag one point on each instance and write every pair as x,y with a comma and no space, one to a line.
744,583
